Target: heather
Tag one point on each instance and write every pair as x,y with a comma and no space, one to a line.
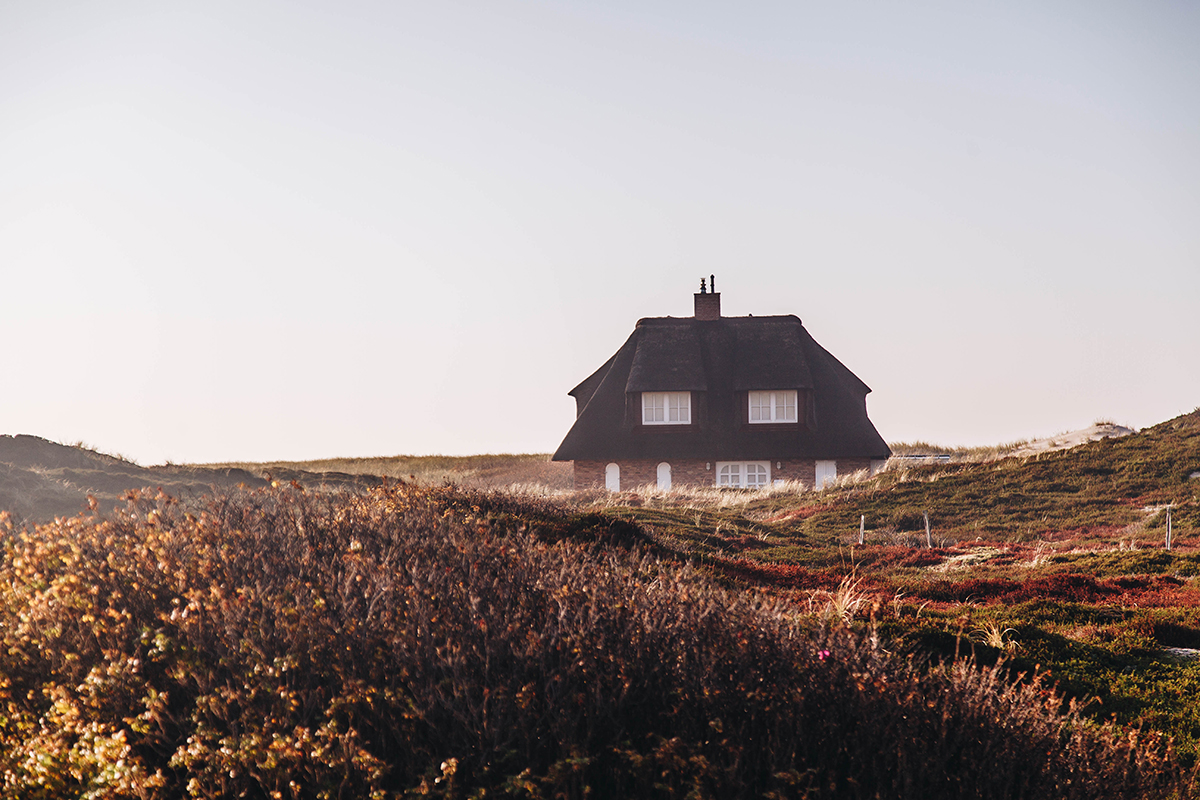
1061,554
283,643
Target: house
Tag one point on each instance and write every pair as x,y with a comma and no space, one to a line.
720,401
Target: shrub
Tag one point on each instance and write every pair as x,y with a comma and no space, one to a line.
289,645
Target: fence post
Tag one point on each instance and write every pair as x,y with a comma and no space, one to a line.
928,535
862,527
1168,527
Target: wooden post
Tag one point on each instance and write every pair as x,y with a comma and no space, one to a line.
1168,527
862,527
928,535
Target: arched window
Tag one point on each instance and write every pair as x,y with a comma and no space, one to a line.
612,478
748,474
664,476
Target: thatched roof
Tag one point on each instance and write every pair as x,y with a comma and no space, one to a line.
718,361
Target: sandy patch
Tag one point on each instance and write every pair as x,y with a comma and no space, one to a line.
1064,441
977,555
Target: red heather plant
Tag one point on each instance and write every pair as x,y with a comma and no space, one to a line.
889,557
1155,590
278,644
768,573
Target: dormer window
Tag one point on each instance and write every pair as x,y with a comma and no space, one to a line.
777,406
666,408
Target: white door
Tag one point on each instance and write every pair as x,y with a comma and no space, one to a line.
826,472
612,478
664,476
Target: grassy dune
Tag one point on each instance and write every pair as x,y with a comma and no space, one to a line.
411,637
1056,562
436,641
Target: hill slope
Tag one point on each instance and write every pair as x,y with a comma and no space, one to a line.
409,641
40,479
1056,561
1101,488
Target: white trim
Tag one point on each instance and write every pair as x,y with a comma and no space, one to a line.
742,474
666,408
773,406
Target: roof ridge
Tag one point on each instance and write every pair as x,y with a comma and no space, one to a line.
769,317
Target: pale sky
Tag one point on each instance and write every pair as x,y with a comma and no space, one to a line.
253,230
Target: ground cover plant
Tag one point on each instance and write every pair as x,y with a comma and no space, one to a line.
1061,556
406,640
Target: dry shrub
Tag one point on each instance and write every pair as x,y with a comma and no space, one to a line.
281,644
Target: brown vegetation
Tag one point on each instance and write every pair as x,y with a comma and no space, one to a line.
495,471
281,643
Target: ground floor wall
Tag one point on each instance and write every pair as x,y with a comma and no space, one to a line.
691,472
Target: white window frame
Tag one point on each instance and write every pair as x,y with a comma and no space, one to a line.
774,403
735,474
667,405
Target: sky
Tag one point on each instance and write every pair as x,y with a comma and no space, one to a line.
289,230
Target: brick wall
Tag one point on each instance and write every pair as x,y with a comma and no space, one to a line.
589,474
708,306
804,471
848,466
691,472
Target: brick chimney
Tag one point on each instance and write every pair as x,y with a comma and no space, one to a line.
708,304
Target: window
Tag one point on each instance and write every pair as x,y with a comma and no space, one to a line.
666,408
748,474
778,406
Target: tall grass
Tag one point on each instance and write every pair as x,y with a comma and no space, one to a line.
683,496
964,455
284,644
488,471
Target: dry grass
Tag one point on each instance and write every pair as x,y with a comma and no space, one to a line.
706,497
958,455
530,471
995,636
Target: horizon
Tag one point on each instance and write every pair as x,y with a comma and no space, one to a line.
261,232
951,448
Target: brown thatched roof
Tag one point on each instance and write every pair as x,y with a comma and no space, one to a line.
718,361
